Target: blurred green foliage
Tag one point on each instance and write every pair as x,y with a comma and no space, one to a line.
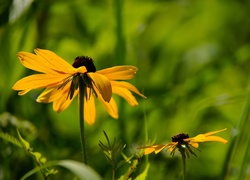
193,58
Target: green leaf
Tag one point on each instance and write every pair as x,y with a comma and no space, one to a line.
24,143
144,174
10,139
81,170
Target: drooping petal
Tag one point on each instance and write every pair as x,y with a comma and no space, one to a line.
194,144
53,93
150,149
56,62
62,101
34,62
119,72
172,146
48,95
126,94
155,148
127,86
21,93
111,107
38,81
89,109
103,85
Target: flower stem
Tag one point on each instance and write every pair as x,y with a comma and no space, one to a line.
183,158
82,89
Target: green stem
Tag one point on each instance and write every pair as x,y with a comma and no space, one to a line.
82,89
120,58
145,126
184,167
183,158
239,128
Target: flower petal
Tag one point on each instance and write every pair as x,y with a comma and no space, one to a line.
55,61
214,132
207,137
38,81
127,86
155,148
194,144
111,107
34,62
62,102
89,109
102,84
119,72
126,94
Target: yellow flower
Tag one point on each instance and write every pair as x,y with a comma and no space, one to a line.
182,142
61,81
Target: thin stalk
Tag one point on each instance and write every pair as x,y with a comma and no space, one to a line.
120,58
145,127
246,157
183,158
82,89
242,122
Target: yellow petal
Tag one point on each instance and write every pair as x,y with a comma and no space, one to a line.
34,62
89,109
38,81
194,144
127,86
47,94
102,84
149,150
214,132
62,102
111,107
155,148
216,138
126,94
207,137
119,72
55,61
21,93
172,146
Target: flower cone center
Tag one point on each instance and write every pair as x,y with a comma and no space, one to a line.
84,61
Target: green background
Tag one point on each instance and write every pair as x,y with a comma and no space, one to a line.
193,58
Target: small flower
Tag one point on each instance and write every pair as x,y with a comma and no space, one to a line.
61,81
182,142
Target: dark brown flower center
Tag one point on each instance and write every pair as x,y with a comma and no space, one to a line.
84,61
179,137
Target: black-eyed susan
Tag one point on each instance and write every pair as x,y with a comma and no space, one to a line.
182,142
62,82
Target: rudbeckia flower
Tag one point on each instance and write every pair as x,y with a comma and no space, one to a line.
183,143
61,82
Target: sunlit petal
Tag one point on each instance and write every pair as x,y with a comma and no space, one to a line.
119,72
62,102
194,144
89,110
126,94
103,85
172,146
111,107
38,81
21,93
127,86
214,132
207,137
34,62
55,61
